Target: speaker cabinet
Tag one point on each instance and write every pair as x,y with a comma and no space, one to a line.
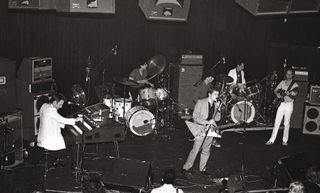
276,7
298,106
184,79
127,174
27,101
291,168
171,10
311,123
7,85
86,6
32,4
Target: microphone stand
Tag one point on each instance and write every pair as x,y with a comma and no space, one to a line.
104,70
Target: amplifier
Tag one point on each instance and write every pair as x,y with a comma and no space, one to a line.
191,59
314,95
35,69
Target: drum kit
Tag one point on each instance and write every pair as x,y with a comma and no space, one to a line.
140,115
239,101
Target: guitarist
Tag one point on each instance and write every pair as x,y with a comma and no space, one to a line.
203,114
289,92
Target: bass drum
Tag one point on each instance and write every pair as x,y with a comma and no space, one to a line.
140,121
243,111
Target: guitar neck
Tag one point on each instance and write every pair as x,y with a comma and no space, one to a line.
220,127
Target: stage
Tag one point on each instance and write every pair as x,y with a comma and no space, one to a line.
144,159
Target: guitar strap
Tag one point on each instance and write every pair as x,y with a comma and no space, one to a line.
290,86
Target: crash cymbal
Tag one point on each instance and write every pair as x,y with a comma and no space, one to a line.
125,81
223,78
156,65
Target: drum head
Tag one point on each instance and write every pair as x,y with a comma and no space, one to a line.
243,111
140,121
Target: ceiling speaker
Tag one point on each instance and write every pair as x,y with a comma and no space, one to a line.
32,4
86,6
278,7
171,10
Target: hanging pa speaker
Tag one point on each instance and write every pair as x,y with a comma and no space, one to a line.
171,10
86,6
311,123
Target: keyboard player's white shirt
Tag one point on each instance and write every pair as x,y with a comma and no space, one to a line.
51,122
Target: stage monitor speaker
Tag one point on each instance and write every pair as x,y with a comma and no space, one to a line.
32,4
298,106
276,7
86,6
291,168
171,10
184,79
127,174
311,124
7,85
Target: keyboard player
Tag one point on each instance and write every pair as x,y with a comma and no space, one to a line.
51,122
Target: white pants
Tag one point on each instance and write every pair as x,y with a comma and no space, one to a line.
204,156
285,110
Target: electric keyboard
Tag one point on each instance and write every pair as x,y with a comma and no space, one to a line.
88,124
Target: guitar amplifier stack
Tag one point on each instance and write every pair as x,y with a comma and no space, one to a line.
34,79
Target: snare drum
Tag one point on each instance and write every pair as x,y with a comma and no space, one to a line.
147,94
118,106
161,93
243,111
140,121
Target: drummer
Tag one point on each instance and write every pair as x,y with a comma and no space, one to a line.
140,76
238,76
237,73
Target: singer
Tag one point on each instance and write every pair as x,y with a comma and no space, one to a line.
203,114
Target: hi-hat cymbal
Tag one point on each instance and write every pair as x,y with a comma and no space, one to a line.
156,65
223,78
125,81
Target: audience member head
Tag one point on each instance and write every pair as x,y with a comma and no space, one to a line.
169,176
313,174
296,187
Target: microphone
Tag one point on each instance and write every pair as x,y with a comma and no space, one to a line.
88,68
114,49
223,59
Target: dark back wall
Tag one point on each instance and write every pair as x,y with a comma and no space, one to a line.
214,27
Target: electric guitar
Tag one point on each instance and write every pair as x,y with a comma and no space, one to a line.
278,100
200,130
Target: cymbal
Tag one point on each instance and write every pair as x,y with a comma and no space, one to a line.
125,81
156,65
223,78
